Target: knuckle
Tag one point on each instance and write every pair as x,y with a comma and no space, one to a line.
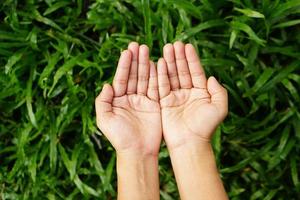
120,81
185,86
152,87
173,75
143,64
162,75
132,76
130,92
170,62
125,68
194,62
197,74
142,78
164,85
184,73
152,76
181,60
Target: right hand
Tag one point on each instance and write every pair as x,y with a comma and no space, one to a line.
192,106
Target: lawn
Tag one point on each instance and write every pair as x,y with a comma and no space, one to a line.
55,56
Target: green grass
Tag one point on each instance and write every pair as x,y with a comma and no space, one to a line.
56,55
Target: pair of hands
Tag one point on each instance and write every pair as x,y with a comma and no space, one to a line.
174,100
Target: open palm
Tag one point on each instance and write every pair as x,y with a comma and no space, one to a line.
191,106
128,113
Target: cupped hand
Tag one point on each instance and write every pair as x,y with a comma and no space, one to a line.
191,106
128,112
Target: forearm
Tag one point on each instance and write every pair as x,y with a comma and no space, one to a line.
137,176
196,172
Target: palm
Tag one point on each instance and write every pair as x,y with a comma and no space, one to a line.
191,105
180,110
135,122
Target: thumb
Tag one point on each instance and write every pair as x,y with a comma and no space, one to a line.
103,102
218,95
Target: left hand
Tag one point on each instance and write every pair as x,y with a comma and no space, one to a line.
128,112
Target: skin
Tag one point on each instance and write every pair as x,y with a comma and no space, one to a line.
192,107
177,102
186,94
128,113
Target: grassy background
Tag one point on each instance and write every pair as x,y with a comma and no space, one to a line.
55,56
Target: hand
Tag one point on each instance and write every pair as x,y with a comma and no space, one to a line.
128,113
191,106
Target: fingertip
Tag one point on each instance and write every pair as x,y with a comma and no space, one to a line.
178,44
167,49
179,51
144,47
103,102
133,44
189,49
143,52
189,46
169,54
212,78
134,48
161,62
104,98
107,88
213,81
162,67
126,53
168,45
152,64
213,85
191,54
219,95
152,68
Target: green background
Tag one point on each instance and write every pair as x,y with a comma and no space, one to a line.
55,55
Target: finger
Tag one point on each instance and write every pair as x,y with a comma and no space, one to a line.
196,70
132,81
121,77
182,66
168,53
143,70
153,85
103,102
164,86
219,96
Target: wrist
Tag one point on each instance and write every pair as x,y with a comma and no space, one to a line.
136,161
137,154
137,172
192,145
194,159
